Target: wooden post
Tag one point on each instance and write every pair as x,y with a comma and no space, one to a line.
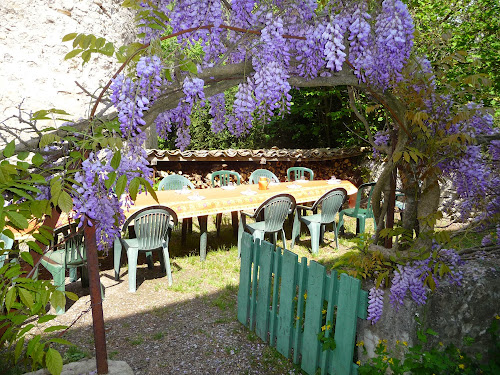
96,300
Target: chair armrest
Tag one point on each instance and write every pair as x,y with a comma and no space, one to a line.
249,214
301,207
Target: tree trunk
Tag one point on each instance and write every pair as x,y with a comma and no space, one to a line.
428,204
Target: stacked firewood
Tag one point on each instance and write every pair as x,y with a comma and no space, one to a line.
200,173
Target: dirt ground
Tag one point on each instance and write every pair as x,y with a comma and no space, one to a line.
189,328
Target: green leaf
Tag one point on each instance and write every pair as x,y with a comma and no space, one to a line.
190,67
41,238
72,53
58,299
75,154
10,298
149,188
18,220
32,344
53,361
61,341
111,179
55,328
431,332
100,42
69,37
396,156
9,149
72,296
86,56
48,139
19,349
115,161
87,41
23,155
26,297
34,246
406,156
65,202
46,318
55,189
21,193
133,188
27,257
168,75
121,183
25,329
38,208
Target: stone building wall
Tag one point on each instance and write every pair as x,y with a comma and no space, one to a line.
456,312
33,70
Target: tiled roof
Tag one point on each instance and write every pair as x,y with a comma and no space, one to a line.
271,154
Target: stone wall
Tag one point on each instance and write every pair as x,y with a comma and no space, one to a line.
454,312
33,70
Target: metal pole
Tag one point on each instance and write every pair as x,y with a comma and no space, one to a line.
101,353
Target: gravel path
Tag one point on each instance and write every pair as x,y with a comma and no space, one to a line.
161,331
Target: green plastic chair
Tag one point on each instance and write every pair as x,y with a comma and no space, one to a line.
258,173
224,180
329,204
296,173
275,211
67,252
7,245
175,182
361,214
152,226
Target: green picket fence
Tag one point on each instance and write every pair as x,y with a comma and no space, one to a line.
284,302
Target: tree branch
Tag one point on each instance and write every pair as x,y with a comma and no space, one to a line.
361,118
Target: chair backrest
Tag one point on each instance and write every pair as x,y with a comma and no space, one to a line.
225,177
258,173
330,203
152,226
365,191
175,182
276,209
296,173
70,239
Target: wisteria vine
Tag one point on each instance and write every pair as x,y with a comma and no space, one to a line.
413,279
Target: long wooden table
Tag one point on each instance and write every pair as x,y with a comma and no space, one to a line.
220,200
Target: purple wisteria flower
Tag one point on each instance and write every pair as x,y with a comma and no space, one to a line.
375,304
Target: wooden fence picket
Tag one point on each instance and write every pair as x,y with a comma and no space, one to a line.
288,292
264,290
283,301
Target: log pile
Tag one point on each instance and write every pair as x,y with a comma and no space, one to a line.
199,173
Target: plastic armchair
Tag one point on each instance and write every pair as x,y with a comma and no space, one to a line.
275,211
175,182
297,173
224,180
329,204
153,226
67,252
361,214
258,173
7,245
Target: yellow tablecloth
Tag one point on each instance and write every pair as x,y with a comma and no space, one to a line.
219,200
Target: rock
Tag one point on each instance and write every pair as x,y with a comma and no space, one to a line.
455,312
87,366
